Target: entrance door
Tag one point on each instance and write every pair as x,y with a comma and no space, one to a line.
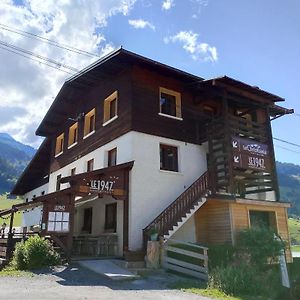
87,220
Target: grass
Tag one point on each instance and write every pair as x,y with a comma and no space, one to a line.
7,203
11,272
296,248
294,229
201,288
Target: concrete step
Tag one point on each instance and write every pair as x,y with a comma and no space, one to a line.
108,269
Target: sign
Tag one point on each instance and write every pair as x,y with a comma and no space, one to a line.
108,184
249,154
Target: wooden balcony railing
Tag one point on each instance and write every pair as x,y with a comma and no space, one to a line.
179,208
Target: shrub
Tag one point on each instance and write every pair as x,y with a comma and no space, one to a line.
34,253
259,245
220,255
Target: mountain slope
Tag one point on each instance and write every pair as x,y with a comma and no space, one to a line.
289,182
14,157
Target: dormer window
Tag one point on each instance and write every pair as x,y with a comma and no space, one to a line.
59,146
110,108
169,103
73,135
89,123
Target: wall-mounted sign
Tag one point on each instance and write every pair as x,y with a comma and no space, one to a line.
249,154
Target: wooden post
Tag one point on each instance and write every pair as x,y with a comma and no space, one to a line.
272,155
126,211
71,226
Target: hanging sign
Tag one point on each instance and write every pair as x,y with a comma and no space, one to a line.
249,154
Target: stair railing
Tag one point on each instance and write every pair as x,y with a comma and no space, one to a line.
178,208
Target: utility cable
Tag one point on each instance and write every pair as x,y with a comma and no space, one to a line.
297,152
36,60
283,141
49,60
46,40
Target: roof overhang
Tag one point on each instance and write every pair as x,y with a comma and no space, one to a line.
104,68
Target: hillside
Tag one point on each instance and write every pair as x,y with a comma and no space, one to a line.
14,157
289,182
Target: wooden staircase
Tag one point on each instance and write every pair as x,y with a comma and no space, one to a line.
180,210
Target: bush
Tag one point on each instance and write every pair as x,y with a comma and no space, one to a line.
220,256
259,246
34,253
232,280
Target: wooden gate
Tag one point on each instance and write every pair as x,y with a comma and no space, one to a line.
186,258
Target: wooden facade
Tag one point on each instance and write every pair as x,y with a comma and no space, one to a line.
219,221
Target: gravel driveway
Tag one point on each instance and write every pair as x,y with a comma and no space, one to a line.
74,283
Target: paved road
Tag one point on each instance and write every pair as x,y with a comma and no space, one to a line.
74,283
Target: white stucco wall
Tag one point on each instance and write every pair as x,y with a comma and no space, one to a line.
33,217
151,189
187,232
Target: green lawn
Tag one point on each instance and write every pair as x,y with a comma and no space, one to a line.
7,203
201,288
294,229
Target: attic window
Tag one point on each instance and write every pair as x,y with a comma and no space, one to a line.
110,108
73,135
59,146
169,103
89,123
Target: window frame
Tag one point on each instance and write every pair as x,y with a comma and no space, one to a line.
111,227
177,95
110,156
165,165
73,138
90,165
88,129
59,140
107,118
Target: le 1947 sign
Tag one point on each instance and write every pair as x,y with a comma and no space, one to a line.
249,154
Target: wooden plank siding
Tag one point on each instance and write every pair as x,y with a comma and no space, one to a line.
212,223
219,221
94,98
146,108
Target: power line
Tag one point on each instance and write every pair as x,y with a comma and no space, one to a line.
283,141
46,40
297,152
36,60
30,53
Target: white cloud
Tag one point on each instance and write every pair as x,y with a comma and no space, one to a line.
140,24
190,43
28,87
167,4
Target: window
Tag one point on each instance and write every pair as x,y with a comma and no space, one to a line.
169,103
266,219
26,201
168,158
73,171
111,217
59,146
112,157
90,165
87,220
110,108
42,193
73,134
58,177
89,123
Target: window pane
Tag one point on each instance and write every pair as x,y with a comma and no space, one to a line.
168,158
112,157
113,108
168,104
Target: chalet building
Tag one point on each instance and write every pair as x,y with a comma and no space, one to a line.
134,146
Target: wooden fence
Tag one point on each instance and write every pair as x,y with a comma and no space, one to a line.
186,258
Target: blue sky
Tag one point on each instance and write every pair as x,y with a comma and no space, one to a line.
254,41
